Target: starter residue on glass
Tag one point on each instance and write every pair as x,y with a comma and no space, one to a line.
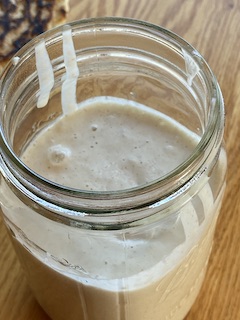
45,74
69,103
192,68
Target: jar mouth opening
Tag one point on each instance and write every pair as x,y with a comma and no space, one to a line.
180,174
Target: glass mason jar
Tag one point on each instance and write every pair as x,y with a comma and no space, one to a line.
139,253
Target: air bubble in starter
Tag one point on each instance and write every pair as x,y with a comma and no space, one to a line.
94,127
58,154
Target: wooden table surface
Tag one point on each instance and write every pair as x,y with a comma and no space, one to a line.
213,28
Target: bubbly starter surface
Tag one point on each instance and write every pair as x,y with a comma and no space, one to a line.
109,144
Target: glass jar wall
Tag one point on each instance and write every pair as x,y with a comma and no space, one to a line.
135,253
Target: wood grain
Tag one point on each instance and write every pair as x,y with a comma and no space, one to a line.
213,28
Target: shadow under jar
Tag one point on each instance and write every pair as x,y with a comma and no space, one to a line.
134,253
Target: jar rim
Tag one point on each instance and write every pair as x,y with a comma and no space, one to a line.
211,137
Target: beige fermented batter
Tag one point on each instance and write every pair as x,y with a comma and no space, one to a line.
110,144
71,297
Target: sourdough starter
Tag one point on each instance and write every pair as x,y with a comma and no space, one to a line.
109,144
149,273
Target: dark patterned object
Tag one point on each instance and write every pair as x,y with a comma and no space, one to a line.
21,20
